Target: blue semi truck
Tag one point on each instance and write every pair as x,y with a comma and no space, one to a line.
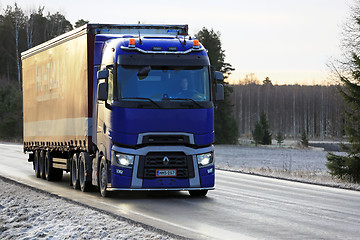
122,107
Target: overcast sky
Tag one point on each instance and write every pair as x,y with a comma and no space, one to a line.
290,41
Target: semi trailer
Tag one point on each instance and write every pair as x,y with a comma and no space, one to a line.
122,107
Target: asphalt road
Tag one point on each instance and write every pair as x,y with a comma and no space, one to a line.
241,207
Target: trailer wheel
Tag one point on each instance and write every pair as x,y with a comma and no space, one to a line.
83,171
103,177
36,163
48,166
51,174
198,193
41,164
75,172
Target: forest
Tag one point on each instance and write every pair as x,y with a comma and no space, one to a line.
290,109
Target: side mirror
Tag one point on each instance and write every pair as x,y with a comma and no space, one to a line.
219,76
219,92
103,74
102,91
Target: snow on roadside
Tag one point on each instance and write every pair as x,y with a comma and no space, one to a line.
304,165
30,214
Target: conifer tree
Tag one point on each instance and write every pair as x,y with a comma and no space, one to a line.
266,139
258,133
279,137
349,166
226,130
304,139
261,133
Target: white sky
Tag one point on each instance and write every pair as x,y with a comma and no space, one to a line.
291,41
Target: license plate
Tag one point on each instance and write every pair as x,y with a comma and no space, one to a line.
166,173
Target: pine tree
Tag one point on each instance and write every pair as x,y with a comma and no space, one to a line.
258,133
226,130
304,139
349,166
261,133
279,138
266,140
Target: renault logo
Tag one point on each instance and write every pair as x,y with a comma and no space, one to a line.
166,160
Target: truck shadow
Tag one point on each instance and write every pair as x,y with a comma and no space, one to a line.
138,195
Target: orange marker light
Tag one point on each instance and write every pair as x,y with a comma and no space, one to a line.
196,43
131,42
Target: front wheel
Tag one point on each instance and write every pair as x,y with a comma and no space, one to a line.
198,193
103,177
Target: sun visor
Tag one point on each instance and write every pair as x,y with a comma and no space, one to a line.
163,60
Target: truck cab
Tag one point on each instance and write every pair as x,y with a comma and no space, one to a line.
154,113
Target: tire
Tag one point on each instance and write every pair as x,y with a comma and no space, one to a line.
36,164
103,177
198,193
48,166
51,174
42,164
75,172
84,160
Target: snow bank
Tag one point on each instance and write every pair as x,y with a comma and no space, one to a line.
30,214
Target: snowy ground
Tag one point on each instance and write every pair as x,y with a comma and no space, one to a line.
23,217
289,162
29,214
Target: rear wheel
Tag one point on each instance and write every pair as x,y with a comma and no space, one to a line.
75,172
198,193
84,184
36,164
42,164
48,166
51,174
103,177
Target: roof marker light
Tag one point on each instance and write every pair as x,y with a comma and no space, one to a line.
196,44
131,43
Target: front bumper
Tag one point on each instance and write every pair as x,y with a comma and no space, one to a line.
128,178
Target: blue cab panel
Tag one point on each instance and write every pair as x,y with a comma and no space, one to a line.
207,176
127,123
120,177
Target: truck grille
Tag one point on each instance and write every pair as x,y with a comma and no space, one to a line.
166,160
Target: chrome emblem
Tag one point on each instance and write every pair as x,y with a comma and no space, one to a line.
166,160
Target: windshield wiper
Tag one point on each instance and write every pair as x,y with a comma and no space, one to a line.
186,99
141,98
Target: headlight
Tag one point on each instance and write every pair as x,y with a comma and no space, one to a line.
205,159
124,159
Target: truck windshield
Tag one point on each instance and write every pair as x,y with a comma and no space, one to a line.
163,83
